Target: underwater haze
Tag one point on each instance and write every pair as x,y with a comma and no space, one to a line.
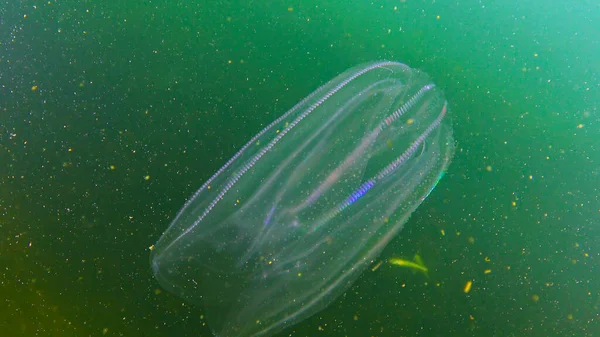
113,114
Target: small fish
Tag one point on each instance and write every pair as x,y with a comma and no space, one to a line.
416,264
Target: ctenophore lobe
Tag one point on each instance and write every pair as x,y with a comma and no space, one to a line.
288,223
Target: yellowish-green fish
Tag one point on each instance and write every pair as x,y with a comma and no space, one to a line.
416,264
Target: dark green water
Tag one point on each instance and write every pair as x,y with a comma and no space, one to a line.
112,114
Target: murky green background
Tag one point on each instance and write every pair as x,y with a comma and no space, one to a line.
112,113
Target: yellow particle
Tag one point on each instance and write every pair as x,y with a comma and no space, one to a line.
514,204
376,266
147,178
467,287
535,298
355,317
488,168
34,88
487,259
471,317
299,274
410,121
471,240
443,232
290,9
437,17
157,291
535,55
570,316
580,126
70,150
151,248
104,331
24,16
112,167
487,271
389,143
229,61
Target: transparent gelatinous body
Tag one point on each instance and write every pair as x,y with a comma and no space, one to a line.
288,223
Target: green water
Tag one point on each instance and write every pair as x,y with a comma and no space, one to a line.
112,114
